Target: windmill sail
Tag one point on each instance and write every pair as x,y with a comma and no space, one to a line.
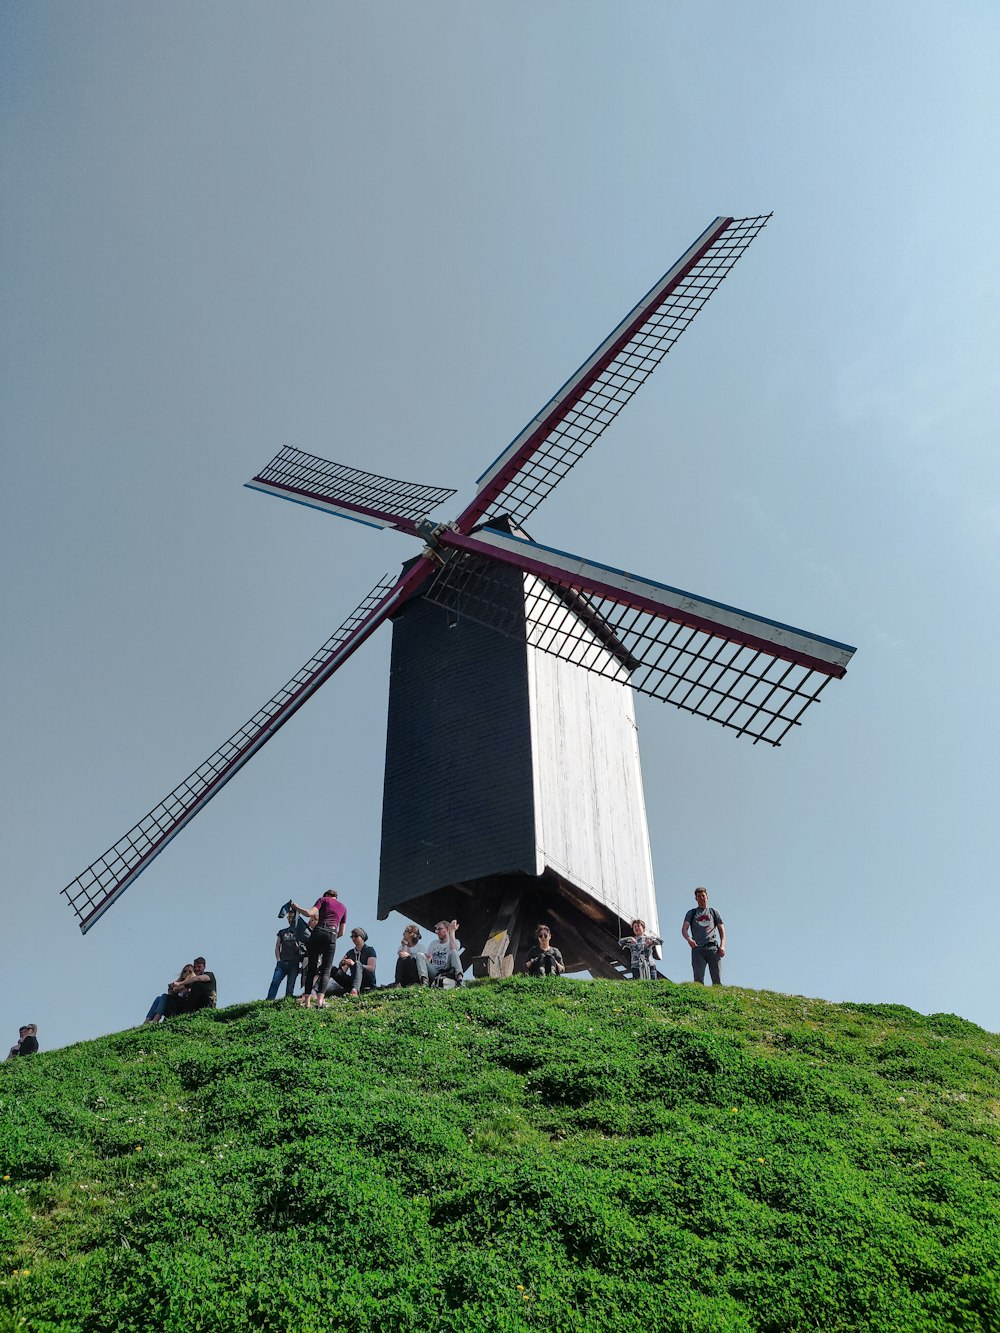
96,888
752,675
552,443
349,492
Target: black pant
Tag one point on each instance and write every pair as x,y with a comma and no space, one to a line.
543,966
319,960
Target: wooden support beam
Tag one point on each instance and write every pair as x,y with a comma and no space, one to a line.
497,957
593,946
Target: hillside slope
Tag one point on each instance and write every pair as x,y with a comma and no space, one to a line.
513,1155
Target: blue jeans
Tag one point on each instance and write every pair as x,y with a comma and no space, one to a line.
156,1009
290,971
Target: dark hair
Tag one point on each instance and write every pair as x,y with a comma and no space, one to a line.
544,925
359,930
199,959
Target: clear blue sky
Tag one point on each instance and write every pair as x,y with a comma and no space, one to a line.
385,233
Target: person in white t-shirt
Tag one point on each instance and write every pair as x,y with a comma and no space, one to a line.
444,957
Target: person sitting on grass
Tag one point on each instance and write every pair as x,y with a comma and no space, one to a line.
444,957
158,1009
544,960
16,1048
198,992
642,949
356,971
27,1041
411,963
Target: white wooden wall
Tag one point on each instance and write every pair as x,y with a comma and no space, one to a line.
590,814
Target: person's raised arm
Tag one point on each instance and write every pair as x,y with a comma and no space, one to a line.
310,913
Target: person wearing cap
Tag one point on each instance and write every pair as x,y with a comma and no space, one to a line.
356,972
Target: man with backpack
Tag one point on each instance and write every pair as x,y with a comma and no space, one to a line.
705,931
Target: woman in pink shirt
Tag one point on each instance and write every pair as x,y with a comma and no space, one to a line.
327,917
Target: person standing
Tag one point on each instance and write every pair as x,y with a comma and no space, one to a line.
705,932
642,948
544,960
289,950
327,917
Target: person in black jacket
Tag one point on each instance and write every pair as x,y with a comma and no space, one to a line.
544,960
27,1041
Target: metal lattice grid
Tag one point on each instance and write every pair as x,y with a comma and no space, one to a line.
337,483
97,886
743,688
601,397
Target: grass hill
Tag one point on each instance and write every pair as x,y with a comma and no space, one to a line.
514,1155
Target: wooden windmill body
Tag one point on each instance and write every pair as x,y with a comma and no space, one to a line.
513,791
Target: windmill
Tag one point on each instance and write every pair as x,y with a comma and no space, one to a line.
512,774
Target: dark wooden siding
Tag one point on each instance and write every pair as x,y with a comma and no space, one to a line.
458,798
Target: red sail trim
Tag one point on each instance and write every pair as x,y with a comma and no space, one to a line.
532,564
564,406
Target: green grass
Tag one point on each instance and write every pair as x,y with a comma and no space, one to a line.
515,1155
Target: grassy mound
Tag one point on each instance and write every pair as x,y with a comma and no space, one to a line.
514,1155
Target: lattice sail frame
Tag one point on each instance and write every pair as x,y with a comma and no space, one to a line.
753,676
555,440
96,888
348,492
